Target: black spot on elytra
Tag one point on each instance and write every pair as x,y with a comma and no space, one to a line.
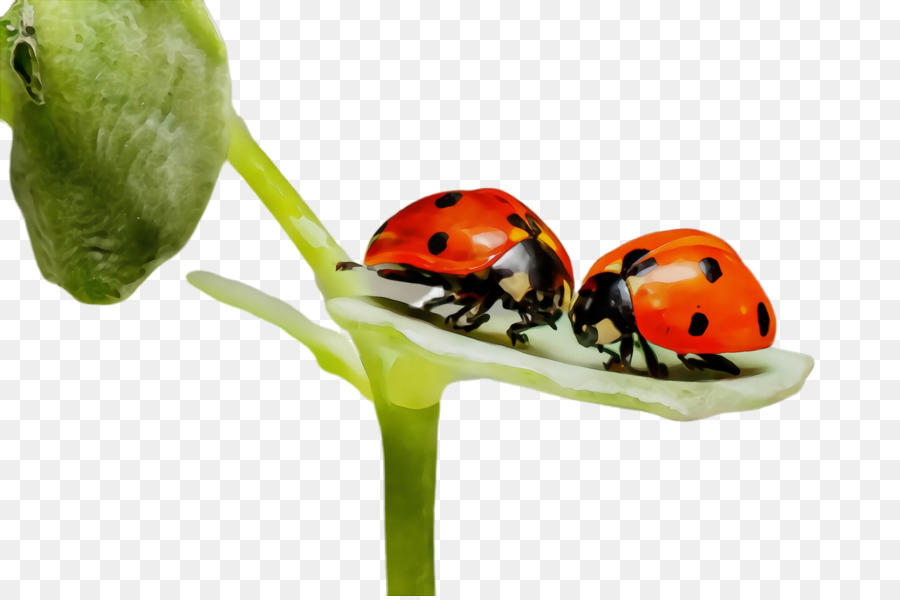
711,269
533,228
699,323
631,258
438,242
376,234
448,200
644,267
517,221
762,315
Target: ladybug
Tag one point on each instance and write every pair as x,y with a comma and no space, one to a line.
685,290
481,246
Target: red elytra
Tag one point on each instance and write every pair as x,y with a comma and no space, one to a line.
477,226
683,289
481,246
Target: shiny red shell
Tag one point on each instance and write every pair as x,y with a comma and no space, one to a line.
457,233
691,293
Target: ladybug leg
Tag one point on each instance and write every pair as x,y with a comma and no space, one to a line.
532,317
477,315
690,363
717,362
474,308
528,321
515,332
626,348
475,323
467,304
435,302
346,266
615,359
656,369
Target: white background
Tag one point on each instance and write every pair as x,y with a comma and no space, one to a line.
171,447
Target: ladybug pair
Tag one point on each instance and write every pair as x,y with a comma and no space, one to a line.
683,289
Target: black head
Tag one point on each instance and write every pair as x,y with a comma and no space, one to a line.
602,312
534,280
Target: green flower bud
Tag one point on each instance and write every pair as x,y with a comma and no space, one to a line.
119,112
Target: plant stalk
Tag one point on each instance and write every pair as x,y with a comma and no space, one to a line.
409,441
301,224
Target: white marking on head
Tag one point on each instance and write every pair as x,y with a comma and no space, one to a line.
516,285
607,333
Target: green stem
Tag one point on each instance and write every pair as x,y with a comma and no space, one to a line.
409,435
295,217
409,439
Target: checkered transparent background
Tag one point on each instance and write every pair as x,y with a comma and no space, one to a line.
171,447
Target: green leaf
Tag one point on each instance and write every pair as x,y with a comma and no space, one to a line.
333,351
119,113
555,363
410,357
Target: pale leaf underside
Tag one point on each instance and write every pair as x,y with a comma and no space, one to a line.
552,362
